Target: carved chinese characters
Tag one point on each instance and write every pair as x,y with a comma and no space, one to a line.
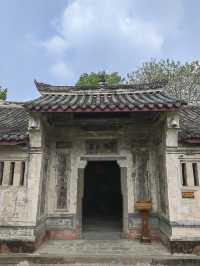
62,178
101,146
142,176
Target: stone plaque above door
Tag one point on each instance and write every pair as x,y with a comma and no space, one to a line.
101,146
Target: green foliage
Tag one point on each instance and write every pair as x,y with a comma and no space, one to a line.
183,79
93,79
3,94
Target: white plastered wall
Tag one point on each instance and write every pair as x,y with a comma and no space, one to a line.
184,213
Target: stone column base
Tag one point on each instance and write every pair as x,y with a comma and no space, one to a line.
63,234
136,234
17,246
26,246
186,247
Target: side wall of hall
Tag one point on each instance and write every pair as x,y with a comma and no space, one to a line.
21,175
180,228
17,197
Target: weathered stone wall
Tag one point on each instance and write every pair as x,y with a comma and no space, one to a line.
22,172
155,150
16,216
183,222
49,202
13,197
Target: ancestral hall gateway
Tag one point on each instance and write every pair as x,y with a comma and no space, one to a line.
79,155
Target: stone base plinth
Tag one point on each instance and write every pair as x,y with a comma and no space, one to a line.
185,247
26,246
136,234
65,234
16,246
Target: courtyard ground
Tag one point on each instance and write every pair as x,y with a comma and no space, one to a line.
99,252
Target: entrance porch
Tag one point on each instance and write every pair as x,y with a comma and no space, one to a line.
102,200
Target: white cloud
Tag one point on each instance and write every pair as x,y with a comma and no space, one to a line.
61,70
113,35
56,45
141,34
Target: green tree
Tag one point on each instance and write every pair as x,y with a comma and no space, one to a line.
93,79
183,80
3,93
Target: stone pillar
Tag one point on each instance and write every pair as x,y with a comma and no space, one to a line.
17,174
123,173
6,172
190,178
171,170
80,192
34,166
172,126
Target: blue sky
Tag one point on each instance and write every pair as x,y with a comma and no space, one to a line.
54,41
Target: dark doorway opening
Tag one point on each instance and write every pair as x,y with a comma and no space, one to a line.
102,202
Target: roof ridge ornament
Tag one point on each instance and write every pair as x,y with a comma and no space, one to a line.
103,84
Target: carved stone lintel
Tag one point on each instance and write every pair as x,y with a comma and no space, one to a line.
101,146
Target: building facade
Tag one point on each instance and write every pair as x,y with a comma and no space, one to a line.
79,153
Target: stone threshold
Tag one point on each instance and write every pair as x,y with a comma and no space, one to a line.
171,260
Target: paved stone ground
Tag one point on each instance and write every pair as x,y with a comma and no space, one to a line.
101,248
100,253
25,263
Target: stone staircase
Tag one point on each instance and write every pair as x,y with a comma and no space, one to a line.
101,245
101,229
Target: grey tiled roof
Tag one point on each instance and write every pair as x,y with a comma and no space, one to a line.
190,123
14,117
120,98
13,123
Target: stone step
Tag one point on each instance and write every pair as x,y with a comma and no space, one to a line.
103,261
99,252
101,235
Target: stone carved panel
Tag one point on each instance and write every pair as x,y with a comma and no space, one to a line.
142,176
162,184
43,190
67,222
63,162
19,233
101,146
